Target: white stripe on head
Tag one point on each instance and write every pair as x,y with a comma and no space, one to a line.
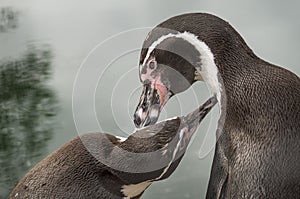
156,43
208,70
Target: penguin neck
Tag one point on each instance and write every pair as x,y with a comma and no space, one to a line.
207,68
221,58
219,62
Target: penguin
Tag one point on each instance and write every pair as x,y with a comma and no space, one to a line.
258,135
99,165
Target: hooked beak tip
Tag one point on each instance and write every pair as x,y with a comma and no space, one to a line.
137,121
151,102
149,120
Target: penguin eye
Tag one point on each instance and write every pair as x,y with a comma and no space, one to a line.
152,65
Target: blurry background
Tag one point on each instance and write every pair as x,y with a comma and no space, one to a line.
43,43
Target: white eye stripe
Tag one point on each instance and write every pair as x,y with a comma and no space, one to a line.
154,44
148,65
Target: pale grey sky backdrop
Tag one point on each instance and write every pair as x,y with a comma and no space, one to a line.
73,28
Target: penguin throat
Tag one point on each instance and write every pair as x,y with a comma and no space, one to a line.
177,147
133,190
207,68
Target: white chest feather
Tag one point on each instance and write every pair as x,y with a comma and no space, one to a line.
134,190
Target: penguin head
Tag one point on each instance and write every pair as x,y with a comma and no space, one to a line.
188,126
182,50
165,141
169,69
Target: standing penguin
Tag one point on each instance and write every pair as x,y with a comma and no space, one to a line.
258,137
98,165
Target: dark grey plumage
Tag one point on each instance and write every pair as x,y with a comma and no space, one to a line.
98,165
258,145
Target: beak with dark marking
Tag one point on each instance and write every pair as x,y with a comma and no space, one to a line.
153,98
191,121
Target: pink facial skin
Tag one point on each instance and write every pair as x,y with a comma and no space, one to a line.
155,81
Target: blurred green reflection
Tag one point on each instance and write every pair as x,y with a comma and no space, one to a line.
8,19
27,110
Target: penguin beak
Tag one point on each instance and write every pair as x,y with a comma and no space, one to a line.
152,100
191,122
